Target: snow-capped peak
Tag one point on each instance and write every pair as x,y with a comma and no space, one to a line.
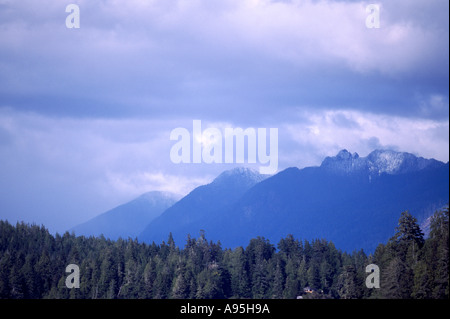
377,162
241,175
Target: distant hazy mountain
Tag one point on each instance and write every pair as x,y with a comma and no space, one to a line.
353,201
129,219
201,208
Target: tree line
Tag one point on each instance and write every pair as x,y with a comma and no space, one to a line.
33,263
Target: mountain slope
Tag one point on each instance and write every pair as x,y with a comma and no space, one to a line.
200,208
129,219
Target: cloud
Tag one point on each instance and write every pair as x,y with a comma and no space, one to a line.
139,183
324,133
48,164
150,58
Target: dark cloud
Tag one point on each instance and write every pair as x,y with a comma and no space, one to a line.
217,60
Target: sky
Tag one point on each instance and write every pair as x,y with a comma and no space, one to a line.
86,113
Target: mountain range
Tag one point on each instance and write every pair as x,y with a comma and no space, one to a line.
353,201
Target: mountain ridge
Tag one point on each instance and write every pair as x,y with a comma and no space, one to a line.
378,162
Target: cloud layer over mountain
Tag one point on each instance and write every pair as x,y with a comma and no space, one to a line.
86,114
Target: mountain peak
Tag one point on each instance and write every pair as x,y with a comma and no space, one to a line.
377,162
243,175
344,161
345,155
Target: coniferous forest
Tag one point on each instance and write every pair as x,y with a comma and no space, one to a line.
33,265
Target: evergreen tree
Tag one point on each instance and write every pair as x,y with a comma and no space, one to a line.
259,251
349,286
180,288
239,274
397,281
313,277
439,237
292,285
5,267
278,280
402,256
408,238
149,277
422,281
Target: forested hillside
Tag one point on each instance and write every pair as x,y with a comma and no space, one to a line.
33,263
